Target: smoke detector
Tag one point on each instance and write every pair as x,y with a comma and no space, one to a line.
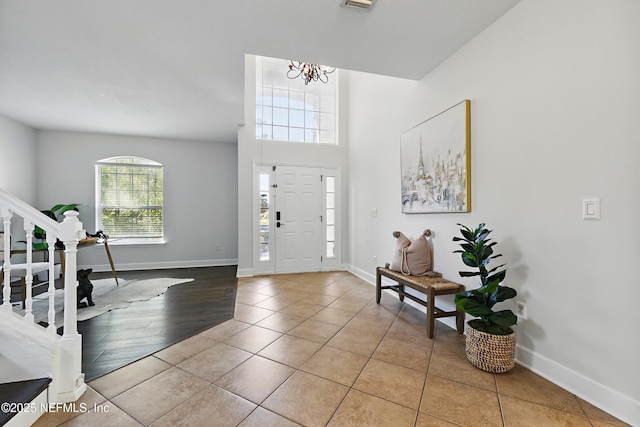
361,4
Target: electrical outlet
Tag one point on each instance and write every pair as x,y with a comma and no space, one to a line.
521,310
375,259
217,247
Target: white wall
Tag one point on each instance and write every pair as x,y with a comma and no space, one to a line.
17,161
553,89
253,152
200,195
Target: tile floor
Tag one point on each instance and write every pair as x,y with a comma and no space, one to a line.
316,350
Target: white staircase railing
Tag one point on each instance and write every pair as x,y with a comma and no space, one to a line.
24,342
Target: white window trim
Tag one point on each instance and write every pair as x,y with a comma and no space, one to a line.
126,241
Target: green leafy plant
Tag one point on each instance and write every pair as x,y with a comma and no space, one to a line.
477,252
55,214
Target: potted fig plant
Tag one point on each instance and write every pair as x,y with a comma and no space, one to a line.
490,341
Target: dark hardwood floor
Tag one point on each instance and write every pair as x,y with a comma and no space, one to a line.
119,337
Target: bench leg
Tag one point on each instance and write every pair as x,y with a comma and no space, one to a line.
460,316
431,318
378,286
400,296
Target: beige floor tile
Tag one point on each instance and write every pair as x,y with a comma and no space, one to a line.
251,314
319,299
388,302
255,379
367,323
256,281
596,414
520,413
302,309
250,298
455,366
213,363
293,295
281,300
274,303
353,305
224,330
335,290
356,340
315,330
392,382
153,398
86,401
253,339
333,316
111,417
403,330
211,406
380,311
359,294
291,351
425,420
413,315
263,418
306,399
281,322
262,289
120,380
526,385
360,409
311,288
336,365
449,338
459,403
404,353
185,349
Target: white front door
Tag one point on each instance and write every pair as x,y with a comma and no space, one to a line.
298,219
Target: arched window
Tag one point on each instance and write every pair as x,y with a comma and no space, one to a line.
129,199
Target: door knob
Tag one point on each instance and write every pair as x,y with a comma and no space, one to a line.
278,224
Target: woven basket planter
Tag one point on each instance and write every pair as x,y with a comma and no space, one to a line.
489,352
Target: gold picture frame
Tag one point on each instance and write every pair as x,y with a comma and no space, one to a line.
436,163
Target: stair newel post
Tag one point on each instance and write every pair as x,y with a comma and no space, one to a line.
70,229
28,279
6,289
71,385
51,315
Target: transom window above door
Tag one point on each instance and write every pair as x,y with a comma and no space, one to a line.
289,110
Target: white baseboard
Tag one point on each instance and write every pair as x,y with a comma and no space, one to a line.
245,272
371,278
609,400
120,266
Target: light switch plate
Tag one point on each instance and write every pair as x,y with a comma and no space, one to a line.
591,209
374,213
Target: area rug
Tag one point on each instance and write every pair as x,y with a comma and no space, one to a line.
106,296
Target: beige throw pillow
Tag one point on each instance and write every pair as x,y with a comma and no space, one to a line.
412,258
402,243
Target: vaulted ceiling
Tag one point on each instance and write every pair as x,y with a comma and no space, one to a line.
175,69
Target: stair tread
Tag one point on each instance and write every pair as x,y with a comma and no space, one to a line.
20,392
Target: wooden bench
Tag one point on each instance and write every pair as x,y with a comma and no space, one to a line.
430,286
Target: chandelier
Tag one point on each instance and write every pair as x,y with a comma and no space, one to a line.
309,72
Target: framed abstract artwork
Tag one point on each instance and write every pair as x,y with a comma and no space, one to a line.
436,163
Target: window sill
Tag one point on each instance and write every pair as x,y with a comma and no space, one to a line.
116,242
